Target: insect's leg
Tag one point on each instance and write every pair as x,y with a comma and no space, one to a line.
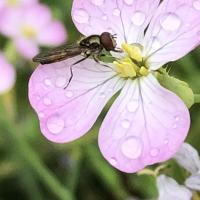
71,69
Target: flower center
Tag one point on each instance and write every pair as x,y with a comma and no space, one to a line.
12,2
28,31
132,65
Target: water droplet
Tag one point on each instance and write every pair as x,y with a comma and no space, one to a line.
69,94
47,101
128,2
196,4
98,2
61,81
55,124
105,17
116,12
47,82
132,148
126,123
174,126
113,161
166,141
132,106
41,115
154,152
81,16
170,22
177,118
138,18
102,95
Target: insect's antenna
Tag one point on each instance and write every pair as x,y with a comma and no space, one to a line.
71,76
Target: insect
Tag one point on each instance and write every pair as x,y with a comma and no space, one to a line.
91,46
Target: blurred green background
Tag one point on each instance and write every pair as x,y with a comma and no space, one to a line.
33,168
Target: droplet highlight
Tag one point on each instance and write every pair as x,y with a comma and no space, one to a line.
105,17
126,123
47,82
128,2
132,106
116,12
138,18
98,2
196,4
55,124
47,101
154,152
69,94
170,22
113,161
132,148
81,16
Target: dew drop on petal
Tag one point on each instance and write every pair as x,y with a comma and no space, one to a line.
170,22
47,101
196,4
41,115
177,118
128,2
174,126
81,16
47,82
102,95
113,161
55,124
138,18
116,12
126,123
132,106
61,82
104,17
132,148
154,152
98,2
69,94
166,141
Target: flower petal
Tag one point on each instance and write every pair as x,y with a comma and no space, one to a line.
67,114
169,189
173,32
127,18
187,156
146,125
193,182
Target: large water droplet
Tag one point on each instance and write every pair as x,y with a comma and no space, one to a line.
128,2
47,101
196,4
170,22
55,124
81,16
154,152
98,2
132,106
132,148
126,123
116,12
47,82
61,81
113,161
138,18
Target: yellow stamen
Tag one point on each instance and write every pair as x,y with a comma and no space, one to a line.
144,71
28,31
12,2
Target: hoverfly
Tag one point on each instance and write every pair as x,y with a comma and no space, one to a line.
91,46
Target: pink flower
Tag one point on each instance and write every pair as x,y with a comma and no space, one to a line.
7,75
32,26
147,123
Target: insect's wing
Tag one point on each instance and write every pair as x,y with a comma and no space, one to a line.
58,54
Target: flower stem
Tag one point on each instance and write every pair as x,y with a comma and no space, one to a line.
197,98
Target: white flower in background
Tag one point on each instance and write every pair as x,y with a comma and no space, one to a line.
168,188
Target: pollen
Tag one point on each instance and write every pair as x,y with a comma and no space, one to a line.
28,31
132,64
12,2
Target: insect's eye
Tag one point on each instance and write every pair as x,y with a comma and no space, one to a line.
108,41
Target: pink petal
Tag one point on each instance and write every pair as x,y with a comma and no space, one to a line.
53,34
169,189
27,48
7,75
67,114
173,32
126,18
146,125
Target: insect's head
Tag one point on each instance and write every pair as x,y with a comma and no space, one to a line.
108,41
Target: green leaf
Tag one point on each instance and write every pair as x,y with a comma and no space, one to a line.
181,88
